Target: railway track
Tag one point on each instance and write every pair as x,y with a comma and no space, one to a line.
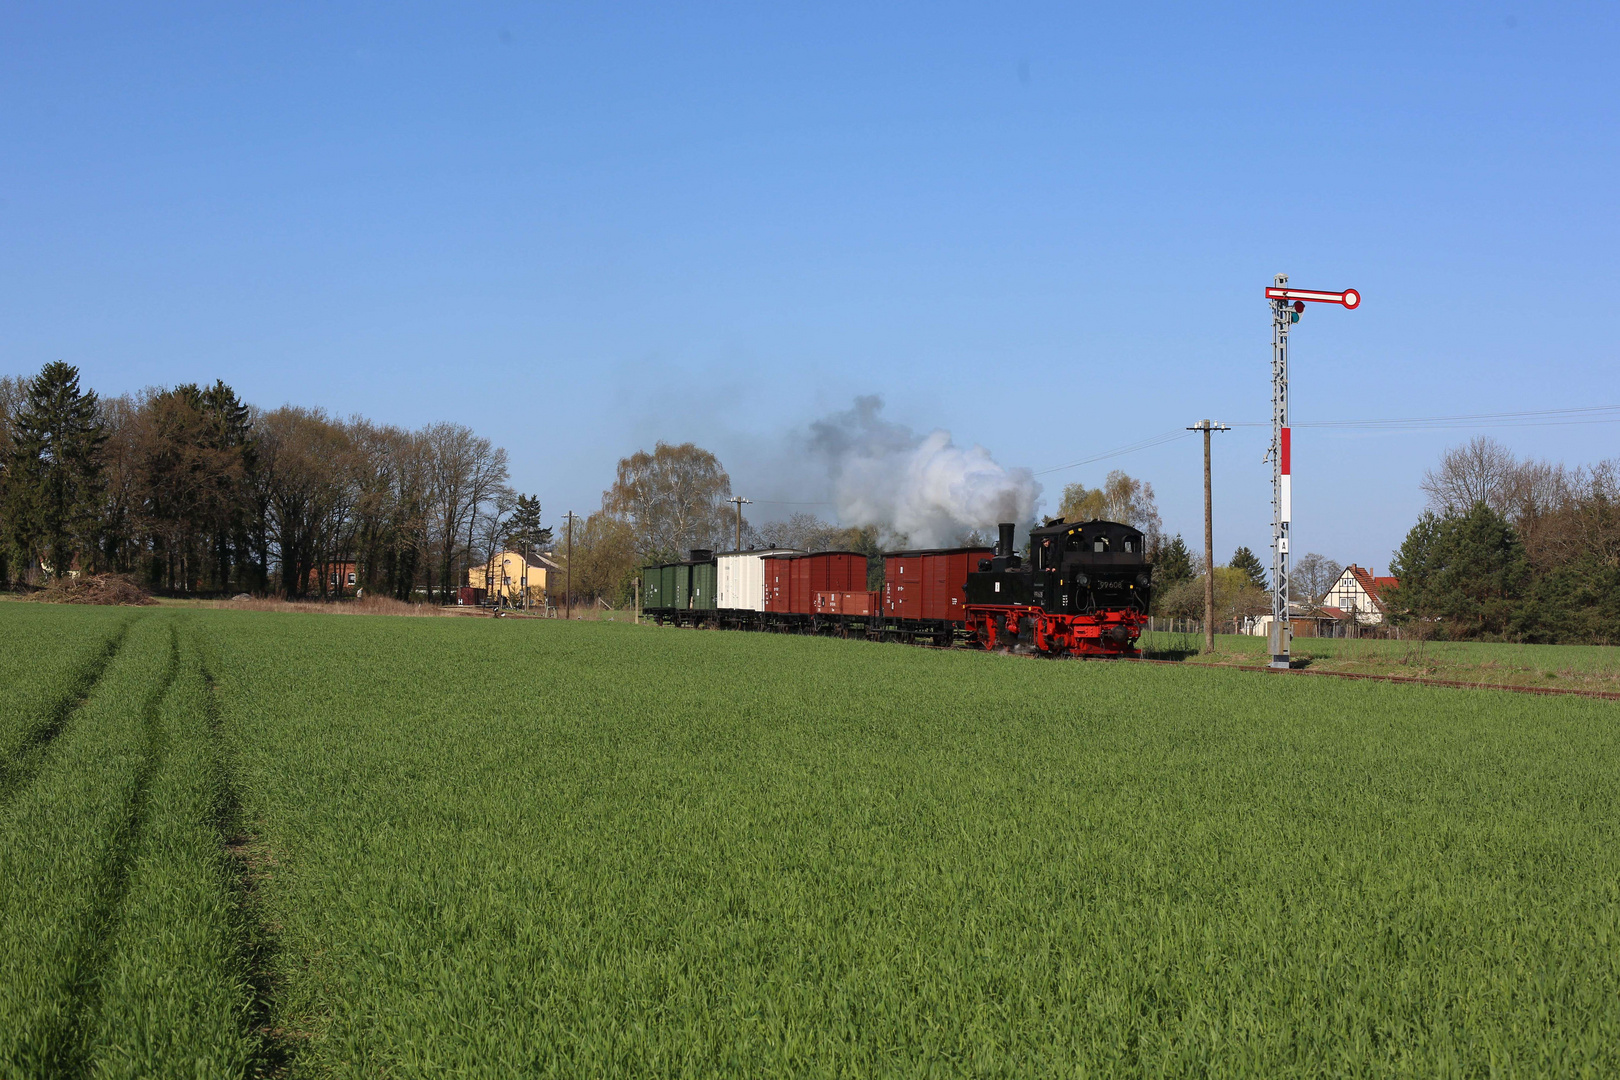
1406,680
1412,680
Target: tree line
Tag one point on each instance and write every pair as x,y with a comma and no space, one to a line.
1514,550
191,490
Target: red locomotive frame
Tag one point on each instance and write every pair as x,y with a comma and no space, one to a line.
1110,633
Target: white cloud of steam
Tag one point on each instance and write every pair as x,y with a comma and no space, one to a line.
924,486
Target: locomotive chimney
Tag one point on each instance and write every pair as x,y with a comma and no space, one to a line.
1004,546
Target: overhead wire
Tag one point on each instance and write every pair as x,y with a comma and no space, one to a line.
1156,440
1591,414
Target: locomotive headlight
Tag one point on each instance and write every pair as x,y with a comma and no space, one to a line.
1141,579
1082,580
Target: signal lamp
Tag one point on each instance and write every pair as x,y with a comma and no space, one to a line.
1293,316
1299,306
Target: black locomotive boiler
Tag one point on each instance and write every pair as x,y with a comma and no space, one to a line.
1083,591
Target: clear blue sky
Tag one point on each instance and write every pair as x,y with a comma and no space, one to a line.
1046,228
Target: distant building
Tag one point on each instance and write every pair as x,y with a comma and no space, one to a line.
1358,596
340,577
503,577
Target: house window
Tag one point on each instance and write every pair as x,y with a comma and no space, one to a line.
351,577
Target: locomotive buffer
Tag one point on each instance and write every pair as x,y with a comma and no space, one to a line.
1286,307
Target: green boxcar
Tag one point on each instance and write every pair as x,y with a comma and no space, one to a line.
683,586
667,585
652,587
704,586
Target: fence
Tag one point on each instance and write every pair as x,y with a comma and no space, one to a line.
1175,626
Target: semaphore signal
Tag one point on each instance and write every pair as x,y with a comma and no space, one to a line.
1286,307
1349,298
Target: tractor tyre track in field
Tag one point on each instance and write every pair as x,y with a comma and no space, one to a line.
249,864
99,931
23,764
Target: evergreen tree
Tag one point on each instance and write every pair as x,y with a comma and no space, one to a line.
1415,565
1243,559
53,477
228,508
1173,565
1466,571
523,527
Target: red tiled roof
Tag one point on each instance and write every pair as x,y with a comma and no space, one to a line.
1373,587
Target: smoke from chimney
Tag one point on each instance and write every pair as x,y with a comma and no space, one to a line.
925,486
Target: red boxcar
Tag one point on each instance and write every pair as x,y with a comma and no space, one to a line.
846,603
792,581
929,584
778,582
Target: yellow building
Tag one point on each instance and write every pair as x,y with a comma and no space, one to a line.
504,576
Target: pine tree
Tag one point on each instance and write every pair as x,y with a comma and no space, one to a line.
523,527
1467,571
1243,559
1415,565
1173,565
54,474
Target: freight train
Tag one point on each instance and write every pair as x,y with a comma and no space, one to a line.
1084,590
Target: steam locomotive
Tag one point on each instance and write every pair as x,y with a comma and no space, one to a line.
1084,590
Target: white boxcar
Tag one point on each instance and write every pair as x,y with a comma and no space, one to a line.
741,574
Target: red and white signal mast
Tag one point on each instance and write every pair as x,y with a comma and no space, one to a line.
1286,307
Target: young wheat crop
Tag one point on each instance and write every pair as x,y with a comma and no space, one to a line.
241,842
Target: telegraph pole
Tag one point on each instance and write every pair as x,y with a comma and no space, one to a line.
1209,538
568,582
1286,307
739,501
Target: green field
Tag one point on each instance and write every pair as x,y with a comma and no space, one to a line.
312,846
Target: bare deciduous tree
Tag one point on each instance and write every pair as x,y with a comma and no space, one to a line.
309,490
604,559
673,499
1480,472
1314,575
1122,498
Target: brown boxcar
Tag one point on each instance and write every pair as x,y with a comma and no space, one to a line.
778,582
846,602
929,584
792,581
825,571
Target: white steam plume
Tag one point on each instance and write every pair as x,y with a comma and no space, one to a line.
924,486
